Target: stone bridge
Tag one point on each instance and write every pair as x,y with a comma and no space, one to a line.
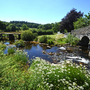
10,35
83,34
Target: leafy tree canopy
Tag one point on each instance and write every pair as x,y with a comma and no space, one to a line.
2,25
82,22
24,27
67,21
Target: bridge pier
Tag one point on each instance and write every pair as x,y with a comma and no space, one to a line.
1,36
11,37
19,36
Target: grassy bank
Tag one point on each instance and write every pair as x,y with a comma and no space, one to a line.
15,74
59,39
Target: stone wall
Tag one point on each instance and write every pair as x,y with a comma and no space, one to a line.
81,32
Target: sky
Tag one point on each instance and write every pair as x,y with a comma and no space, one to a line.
40,11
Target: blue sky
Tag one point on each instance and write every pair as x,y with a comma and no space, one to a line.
40,11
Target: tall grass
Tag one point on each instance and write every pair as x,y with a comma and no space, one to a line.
11,50
71,39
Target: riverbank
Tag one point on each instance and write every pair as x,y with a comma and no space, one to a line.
15,73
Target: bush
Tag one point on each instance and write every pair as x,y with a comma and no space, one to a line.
11,50
27,35
71,39
43,39
36,39
19,43
61,41
35,35
50,42
48,32
2,46
21,56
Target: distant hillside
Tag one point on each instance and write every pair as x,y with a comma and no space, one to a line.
29,24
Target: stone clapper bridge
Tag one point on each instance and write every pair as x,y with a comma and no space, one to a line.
83,34
10,35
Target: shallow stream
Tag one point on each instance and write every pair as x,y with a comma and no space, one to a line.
53,54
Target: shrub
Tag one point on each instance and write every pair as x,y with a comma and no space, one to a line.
48,32
19,43
61,41
11,50
2,46
43,39
71,39
50,42
36,39
27,35
21,56
35,35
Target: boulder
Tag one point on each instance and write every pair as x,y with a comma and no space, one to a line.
48,47
69,49
62,48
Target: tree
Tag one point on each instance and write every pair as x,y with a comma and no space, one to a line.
11,27
82,21
24,27
88,16
27,35
67,21
55,27
2,25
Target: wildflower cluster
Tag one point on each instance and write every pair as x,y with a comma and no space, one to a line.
66,76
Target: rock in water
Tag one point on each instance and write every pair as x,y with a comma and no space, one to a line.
62,48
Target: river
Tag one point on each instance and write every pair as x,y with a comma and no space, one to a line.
55,54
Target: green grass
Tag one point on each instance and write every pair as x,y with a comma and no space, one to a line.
56,38
53,36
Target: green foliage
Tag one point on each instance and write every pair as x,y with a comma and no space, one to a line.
20,56
82,22
68,76
61,41
24,27
2,46
44,32
11,50
15,74
2,25
29,24
65,31
55,27
71,39
35,35
67,21
45,26
36,39
88,16
27,35
50,42
19,43
43,39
